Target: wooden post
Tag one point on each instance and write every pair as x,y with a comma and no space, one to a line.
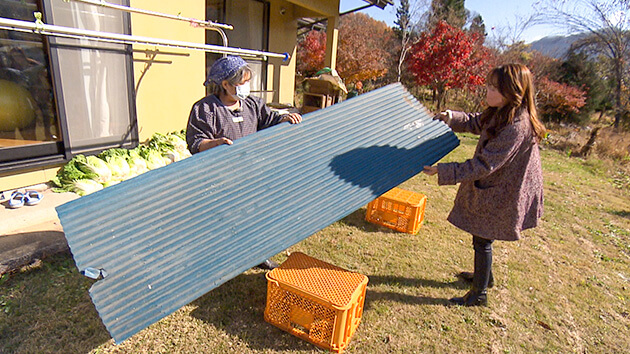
332,35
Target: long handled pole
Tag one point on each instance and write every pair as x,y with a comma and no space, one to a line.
76,33
153,13
213,26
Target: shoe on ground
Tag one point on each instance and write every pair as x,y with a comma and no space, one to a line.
32,197
472,298
268,265
468,277
17,200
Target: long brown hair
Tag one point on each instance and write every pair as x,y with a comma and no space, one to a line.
515,83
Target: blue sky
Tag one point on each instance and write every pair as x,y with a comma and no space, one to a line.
495,13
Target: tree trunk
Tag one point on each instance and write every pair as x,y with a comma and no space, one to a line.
441,98
586,149
601,114
403,54
619,78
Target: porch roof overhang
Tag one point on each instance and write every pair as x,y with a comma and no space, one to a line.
305,24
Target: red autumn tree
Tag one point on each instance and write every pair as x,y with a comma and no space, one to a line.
366,48
365,51
556,100
447,58
311,51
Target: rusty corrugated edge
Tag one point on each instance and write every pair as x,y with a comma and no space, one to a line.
170,235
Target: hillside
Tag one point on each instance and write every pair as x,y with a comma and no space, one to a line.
555,46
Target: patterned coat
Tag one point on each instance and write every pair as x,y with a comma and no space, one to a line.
501,187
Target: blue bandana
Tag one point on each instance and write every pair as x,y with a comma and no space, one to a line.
224,68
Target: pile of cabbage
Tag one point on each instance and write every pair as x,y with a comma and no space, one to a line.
87,174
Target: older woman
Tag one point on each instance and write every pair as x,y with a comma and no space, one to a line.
229,112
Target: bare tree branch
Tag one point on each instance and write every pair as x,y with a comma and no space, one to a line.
502,37
408,27
607,26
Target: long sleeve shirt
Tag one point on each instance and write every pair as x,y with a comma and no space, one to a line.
211,119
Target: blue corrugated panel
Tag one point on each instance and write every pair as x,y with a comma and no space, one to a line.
168,236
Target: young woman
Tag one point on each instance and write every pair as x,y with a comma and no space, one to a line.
501,186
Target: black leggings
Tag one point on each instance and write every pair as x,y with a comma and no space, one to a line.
483,262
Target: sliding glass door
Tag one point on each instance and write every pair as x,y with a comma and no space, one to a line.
250,19
59,96
29,124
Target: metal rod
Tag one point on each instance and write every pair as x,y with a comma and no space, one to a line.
76,33
208,24
152,61
222,33
321,20
157,51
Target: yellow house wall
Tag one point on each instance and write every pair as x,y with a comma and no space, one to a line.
282,39
166,92
324,8
10,181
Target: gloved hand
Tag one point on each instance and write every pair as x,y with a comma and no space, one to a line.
445,116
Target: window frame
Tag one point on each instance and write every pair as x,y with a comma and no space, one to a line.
211,57
53,153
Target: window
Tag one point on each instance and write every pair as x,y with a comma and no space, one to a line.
29,126
77,94
94,79
251,25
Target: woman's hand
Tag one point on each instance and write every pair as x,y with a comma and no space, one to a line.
292,118
430,170
445,116
223,141
210,143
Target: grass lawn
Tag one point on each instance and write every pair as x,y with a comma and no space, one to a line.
565,287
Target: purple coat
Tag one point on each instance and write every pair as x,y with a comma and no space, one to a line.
501,187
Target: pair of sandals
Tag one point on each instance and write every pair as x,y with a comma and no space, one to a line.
19,199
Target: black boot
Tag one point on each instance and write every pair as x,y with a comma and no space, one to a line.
468,277
477,296
472,298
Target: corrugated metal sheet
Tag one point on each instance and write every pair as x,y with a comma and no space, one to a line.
168,236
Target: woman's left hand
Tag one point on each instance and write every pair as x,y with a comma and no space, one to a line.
292,118
430,170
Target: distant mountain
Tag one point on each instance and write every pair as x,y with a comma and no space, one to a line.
555,46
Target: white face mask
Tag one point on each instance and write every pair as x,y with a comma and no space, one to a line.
242,91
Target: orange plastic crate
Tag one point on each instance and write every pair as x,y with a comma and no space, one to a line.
398,209
315,301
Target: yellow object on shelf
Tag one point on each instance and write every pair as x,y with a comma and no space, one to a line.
17,106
